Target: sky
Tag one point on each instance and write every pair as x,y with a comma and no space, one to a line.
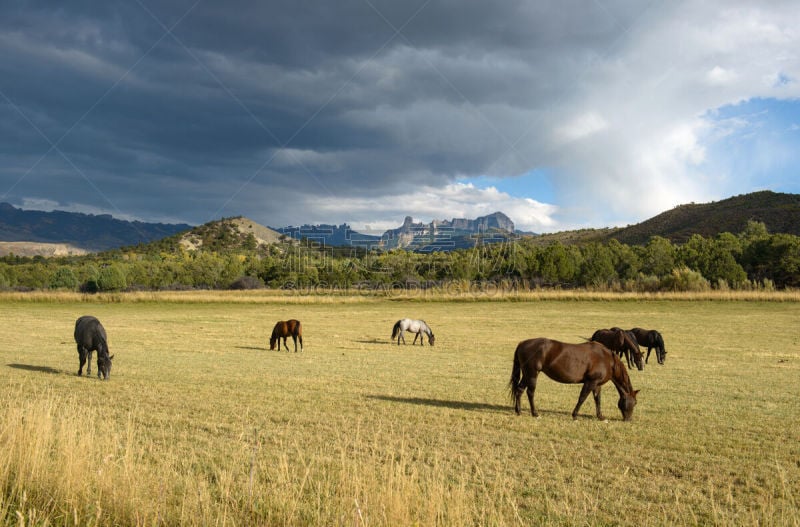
563,114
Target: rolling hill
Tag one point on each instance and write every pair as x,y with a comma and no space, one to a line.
779,212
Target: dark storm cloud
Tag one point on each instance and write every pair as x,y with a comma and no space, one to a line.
184,109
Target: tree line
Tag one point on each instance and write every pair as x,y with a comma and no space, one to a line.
752,259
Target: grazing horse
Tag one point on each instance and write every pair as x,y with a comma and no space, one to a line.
284,329
91,336
653,340
619,341
589,363
413,326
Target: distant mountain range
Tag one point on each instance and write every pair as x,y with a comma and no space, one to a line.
438,235
84,231
330,235
25,232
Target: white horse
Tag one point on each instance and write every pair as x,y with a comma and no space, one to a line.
414,326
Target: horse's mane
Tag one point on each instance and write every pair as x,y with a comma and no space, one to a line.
103,341
620,377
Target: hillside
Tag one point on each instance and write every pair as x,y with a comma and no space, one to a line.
227,234
88,232
779,212
40,249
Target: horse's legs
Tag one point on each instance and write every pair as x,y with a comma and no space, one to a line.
531,389
89,362
300,338
415,338
628,359
596,393
516,390
585,390
82,358
400,336
648,354
294,338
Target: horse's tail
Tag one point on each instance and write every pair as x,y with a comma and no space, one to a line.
395,329
514,382
298,329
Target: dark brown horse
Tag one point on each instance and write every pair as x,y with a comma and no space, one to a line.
653,340
284,329
90,335
589,363
619,341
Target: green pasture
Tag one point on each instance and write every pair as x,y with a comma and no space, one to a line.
200,424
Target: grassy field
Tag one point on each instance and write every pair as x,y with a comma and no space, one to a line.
201,425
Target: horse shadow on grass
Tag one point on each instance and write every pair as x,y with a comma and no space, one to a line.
443,403
31,367
253,348
383,342
464,405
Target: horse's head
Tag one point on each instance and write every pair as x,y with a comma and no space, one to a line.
272,341
431,339
661,352
626,403
104,365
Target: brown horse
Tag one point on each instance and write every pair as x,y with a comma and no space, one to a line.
284,329
589,363
622,343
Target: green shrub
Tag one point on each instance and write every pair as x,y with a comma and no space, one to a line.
111,278
64,278
685,279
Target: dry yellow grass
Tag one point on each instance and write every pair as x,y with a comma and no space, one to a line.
455,293
201,425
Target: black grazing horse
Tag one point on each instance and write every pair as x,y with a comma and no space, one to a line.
91,336
653,340
284,329
619,341
589,363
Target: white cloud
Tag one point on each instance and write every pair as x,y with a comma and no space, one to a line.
720,76
614,102
457,200
582,126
